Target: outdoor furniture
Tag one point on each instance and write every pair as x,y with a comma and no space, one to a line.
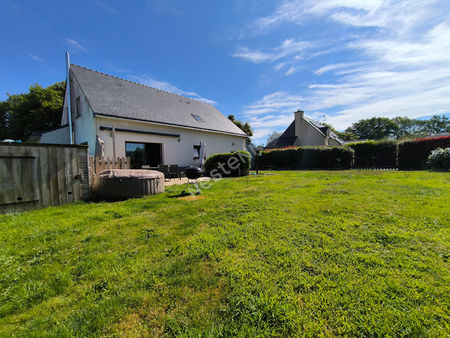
165,170
174,171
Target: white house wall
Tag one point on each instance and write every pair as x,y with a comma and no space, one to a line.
84,125
175,150
83,122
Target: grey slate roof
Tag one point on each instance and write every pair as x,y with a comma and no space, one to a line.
288,138
323,129
115,97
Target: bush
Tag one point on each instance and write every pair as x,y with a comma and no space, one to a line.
297,158
373,154
228,164
413,154
439,159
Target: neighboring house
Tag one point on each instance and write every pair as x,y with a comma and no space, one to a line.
305,132
117,117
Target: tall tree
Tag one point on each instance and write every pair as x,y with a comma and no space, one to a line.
38,110
245,127
375,128
273,136
437,124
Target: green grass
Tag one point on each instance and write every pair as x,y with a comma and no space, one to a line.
358,253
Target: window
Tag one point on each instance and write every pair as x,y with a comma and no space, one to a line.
144,154
198,118
78,104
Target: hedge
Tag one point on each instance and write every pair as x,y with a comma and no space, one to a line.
296,158
413,154
228,164
373,154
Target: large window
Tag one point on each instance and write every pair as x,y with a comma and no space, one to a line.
144,154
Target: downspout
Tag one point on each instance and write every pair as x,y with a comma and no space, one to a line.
69,105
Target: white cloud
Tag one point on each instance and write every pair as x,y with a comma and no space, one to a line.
272,112
399,66
75,46
252,55
403,15
36,58
292,70
287,48
106,7
334,66
148,81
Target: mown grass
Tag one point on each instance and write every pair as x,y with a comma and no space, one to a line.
356,253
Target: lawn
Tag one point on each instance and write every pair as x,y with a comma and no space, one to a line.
358,253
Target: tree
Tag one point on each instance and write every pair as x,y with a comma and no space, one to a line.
437,124
375,128
406,127
273,137
346,136
38,110
245,127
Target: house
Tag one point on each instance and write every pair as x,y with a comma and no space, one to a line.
119,118
305,132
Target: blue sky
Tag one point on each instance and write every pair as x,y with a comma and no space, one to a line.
338,60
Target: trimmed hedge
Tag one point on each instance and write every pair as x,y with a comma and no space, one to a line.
228,164
413,154
373,154
297,158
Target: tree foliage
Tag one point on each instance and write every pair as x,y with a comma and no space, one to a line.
245,127
377,128
273,137
38,110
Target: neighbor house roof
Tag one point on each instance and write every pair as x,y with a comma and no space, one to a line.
288,138
115,97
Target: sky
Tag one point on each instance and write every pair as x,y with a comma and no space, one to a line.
338,60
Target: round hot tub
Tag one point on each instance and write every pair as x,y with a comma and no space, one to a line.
117,184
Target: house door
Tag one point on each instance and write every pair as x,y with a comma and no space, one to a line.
144,154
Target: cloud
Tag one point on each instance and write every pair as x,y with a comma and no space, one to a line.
392,62
272,112
287,48
368,13
164,7
151,82
252,56
292,70
36,58
75,46
335,66
106,7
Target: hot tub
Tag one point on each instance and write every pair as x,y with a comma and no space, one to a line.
117,184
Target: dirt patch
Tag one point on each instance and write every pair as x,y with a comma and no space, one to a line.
192,197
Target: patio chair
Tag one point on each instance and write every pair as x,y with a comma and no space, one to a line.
165,170
174,171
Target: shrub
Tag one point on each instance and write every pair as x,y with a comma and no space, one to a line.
307,158
373,154
228,164
413,154
439,159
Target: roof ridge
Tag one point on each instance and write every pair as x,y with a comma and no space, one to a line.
143,85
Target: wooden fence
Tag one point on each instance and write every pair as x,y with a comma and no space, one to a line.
97,164
35,176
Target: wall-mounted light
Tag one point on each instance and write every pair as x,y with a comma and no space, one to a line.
179,139
232,143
